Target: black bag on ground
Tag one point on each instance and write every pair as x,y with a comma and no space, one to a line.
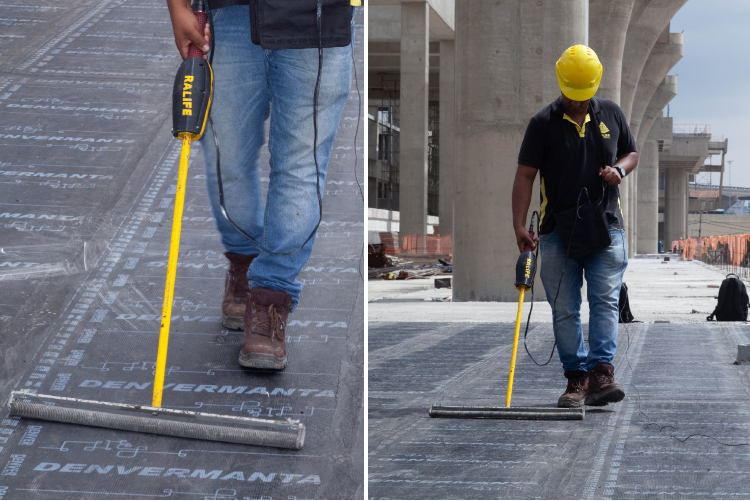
626,316
733,301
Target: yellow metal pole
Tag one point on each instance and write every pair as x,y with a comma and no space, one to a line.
515,348
174,249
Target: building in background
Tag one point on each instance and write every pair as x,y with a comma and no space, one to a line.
452,86
409,98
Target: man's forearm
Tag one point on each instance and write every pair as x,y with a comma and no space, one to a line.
522,191
628,162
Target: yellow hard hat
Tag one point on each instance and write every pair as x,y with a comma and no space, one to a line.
579,73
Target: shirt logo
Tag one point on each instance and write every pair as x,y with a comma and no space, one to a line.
604,130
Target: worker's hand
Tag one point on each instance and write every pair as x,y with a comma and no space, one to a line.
523,239
610,175
185,26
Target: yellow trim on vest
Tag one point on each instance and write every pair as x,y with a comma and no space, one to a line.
581,130
544,203
356,3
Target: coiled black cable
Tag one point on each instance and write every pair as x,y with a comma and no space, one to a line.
559,283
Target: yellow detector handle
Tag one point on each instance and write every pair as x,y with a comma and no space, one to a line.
515,348
174,249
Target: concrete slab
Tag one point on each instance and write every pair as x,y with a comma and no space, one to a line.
680,433
659,291
616,452
87,178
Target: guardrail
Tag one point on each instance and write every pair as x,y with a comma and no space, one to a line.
691,130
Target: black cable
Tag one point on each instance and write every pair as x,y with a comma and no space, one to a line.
224,211
359,117
567,255
632,371
531,308
356,177
559,283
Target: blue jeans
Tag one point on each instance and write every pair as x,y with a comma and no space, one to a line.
251,84
604,271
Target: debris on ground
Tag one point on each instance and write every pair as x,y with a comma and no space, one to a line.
408,271
444,283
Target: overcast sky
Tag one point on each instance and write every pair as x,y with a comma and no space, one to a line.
713,76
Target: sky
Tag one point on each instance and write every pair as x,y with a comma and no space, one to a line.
713,77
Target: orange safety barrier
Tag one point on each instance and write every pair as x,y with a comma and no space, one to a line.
735,246
417,244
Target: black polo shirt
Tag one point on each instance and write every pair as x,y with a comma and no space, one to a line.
567,158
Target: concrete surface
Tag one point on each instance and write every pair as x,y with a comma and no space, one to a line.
664,93
608,24
415,76
659,291
675,205
649,20
494,61
447,138
87,176
648,198
662,59
442,15
680,433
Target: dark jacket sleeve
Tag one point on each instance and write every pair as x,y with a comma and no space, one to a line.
532,148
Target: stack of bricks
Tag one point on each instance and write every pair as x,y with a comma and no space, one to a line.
428,244
446,244
390,241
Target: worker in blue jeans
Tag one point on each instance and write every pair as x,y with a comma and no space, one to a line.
251,84
581,147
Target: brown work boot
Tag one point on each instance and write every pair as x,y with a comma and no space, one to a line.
265,329
236,289
576,390
602,387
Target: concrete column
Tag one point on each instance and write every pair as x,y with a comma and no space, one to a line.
666,53
633,216
563,25
675,205
648,198
666,91
447,134
608,24
641,37
505,54
649,19
415,65
662,59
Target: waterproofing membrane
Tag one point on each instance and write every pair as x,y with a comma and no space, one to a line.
684,373
87,178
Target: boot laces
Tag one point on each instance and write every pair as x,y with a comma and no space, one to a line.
575,384
271,320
